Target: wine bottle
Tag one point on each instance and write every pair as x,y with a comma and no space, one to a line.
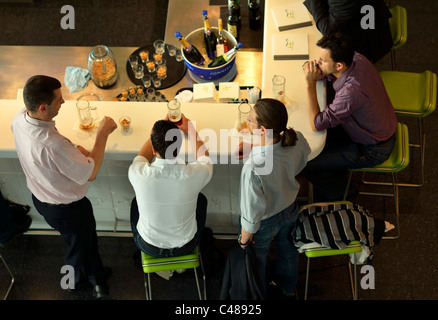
234,9
222,41
209,37
190,51
254,14
225,57
233,24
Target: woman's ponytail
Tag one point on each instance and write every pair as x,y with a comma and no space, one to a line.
288,137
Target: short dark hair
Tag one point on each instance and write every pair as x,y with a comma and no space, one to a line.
39,89
164,134
340,47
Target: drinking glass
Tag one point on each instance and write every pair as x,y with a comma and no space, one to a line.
147,80
174,110
158,97
87,114
150,94
158,57
133,60
140,93
125,123
278,88
159,46
144,55
244,110
171,49
138,71
162,71
156,81
151,66
178,55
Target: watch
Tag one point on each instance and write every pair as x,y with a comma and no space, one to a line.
240,242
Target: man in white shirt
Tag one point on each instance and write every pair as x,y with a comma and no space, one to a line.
168,212
57,174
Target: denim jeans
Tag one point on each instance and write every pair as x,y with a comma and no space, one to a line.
327,172
278,228
201,216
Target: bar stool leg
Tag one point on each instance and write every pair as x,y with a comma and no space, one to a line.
353,278
203,273
12,278
307,278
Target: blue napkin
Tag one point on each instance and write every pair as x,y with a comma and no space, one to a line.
76,79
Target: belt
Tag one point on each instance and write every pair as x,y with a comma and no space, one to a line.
173,250
60,205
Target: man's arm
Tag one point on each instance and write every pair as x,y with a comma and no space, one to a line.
333,15
106,127
313,74
188,128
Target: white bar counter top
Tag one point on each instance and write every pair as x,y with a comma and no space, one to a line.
296,94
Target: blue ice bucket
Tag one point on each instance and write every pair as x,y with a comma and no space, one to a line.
196,38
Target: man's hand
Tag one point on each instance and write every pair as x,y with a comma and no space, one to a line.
107,126
243,150
245,238
312,71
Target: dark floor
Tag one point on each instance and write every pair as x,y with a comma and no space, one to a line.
405,269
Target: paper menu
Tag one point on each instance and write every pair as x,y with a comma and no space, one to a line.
291,16
290,46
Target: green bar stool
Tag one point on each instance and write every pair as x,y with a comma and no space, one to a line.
322,251
398,24
413,95
190,261
318,252
397,161
12,277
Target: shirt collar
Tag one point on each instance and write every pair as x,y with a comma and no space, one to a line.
162,162
37,122
262,150
339,82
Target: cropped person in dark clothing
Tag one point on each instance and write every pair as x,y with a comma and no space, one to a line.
345,16
13,220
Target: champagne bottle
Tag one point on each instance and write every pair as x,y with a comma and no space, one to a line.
222,41
209,37
225,57
233,24
254,14
190,51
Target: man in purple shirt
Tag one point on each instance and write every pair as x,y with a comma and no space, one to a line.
360,121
